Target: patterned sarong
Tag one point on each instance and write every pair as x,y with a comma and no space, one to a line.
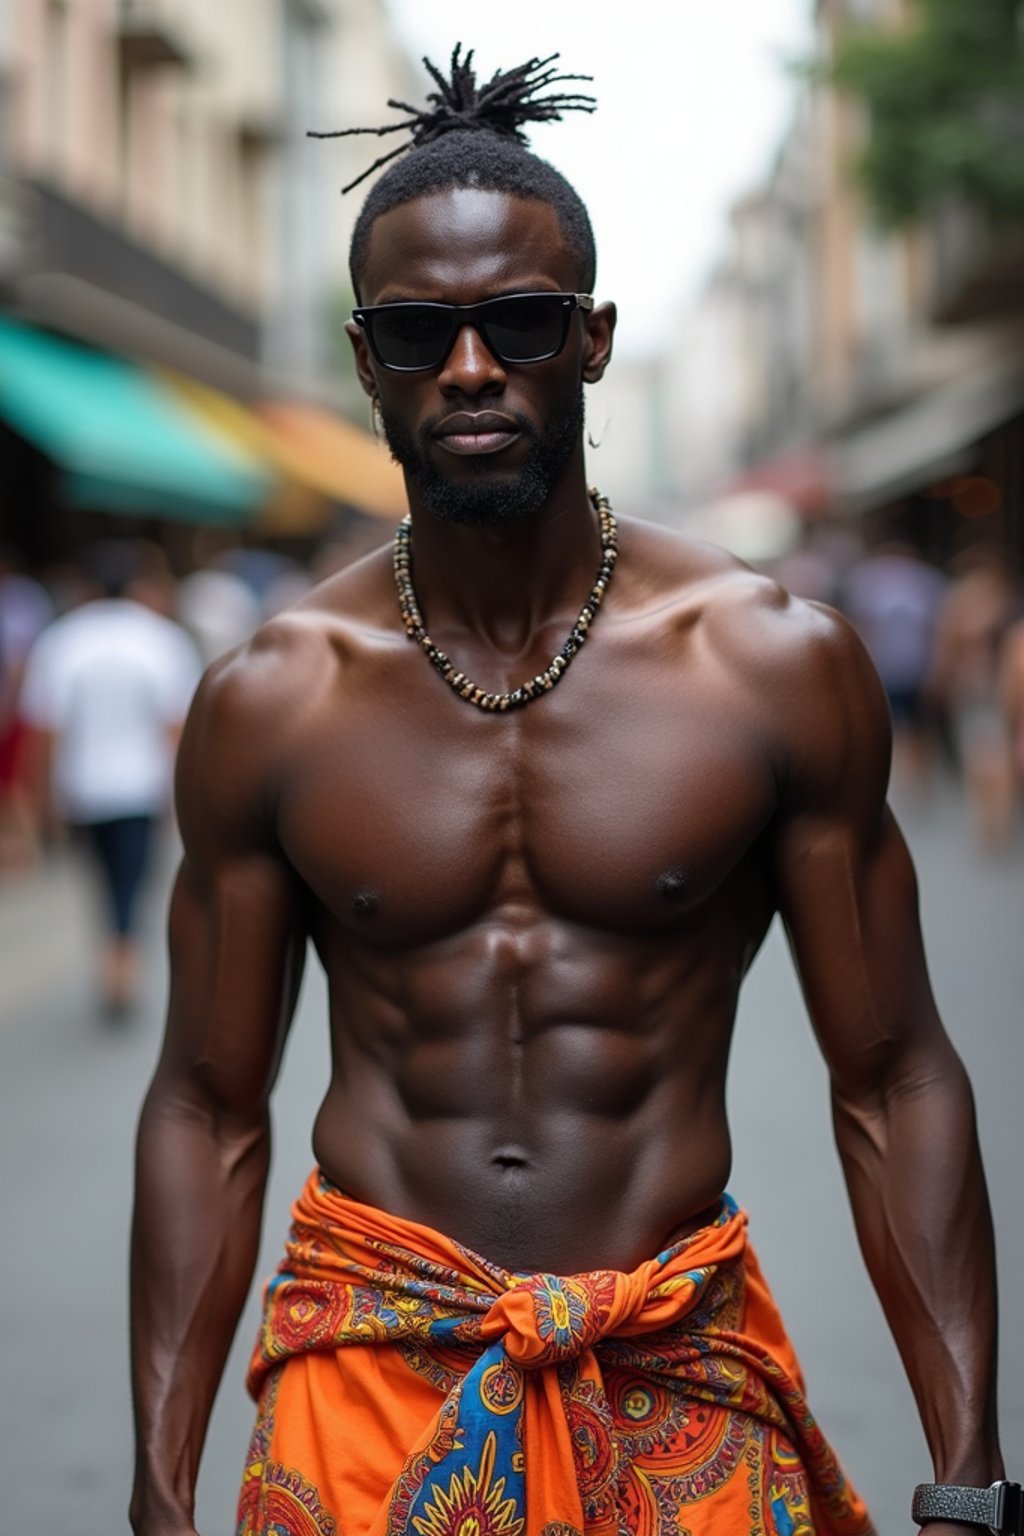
408,1387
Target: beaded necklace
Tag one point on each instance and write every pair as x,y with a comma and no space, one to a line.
458,681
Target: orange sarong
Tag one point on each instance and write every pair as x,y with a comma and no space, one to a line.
408,1387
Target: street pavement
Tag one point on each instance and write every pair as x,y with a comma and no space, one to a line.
70,1086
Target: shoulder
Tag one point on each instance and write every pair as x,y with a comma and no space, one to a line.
280,673
250,713
818,696
797,669
234,748
789,646
746,617
255,692
814,685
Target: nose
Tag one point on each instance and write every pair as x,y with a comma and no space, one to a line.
471,368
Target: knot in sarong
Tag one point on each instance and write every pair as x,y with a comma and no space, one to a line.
528,1404
549,1319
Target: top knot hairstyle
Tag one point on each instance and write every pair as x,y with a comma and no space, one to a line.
470,135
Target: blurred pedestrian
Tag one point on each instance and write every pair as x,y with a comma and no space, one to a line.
106,690
218,609
817,568
1012,688
972,627
1011,672
25,611
893,597
154,585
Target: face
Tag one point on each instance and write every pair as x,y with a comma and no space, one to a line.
480,441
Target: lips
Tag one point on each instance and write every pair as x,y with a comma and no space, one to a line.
469,432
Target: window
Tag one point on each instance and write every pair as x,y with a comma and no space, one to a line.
56,80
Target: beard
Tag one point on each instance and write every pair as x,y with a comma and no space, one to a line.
490,498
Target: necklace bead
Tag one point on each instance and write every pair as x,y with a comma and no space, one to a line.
415,629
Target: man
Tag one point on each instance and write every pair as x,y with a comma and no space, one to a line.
516,1299
106,691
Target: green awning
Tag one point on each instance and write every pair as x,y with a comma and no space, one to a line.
120,439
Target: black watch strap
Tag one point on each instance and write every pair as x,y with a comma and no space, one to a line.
999,1509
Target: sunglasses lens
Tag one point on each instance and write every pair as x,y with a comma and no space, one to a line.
526,329
411,335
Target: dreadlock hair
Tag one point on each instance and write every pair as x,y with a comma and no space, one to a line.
471,136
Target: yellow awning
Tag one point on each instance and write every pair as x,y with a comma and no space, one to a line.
322,458
337,458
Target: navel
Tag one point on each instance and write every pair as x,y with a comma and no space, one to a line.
510,1157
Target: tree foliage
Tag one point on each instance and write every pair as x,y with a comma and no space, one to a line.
945,105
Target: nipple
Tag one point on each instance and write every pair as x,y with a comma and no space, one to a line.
364,903
672,884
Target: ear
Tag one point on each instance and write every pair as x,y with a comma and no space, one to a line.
363,357
597,351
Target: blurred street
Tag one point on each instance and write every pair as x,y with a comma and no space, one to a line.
70,1085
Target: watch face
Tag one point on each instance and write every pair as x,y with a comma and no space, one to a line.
1010,1512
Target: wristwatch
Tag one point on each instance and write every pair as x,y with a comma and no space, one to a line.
999,1509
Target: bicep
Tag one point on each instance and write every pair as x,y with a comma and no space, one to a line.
848,900
846,886
237,945
237,931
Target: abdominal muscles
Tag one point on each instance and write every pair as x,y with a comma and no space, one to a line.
549,1096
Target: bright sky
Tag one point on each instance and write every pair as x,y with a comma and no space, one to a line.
693,98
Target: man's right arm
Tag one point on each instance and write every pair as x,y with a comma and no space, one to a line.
237,944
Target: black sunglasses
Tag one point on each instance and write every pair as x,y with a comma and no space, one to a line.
520,328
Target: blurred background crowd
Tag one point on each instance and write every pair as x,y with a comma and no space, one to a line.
828,379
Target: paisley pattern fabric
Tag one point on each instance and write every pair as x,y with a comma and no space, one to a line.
408,1387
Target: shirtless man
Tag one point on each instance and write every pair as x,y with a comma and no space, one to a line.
534,913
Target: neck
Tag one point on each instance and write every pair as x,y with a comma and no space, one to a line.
501,584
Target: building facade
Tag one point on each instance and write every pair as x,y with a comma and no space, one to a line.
173,246
871,366
160,194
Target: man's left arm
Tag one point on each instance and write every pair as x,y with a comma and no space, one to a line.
902,1105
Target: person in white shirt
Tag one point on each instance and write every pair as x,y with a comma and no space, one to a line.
106,690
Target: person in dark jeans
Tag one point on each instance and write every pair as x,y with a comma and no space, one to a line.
106,689
121,848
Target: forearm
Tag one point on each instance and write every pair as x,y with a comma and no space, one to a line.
913,1168
200,1181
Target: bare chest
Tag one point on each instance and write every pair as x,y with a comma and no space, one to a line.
610,803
